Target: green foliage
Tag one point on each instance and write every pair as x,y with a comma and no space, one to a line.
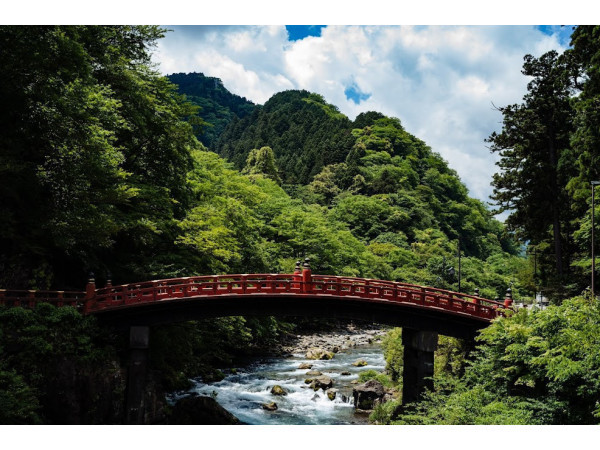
534,151
535,367
93,140
371,374
304,132
18,403
393,351
47,358
262,162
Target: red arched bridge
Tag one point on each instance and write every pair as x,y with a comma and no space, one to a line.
300,293
422,312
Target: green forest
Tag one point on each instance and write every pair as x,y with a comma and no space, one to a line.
108,167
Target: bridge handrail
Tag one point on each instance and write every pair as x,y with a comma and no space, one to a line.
261,283
428,289
30,297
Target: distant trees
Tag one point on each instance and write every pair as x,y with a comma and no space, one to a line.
218,106
262,161
305,132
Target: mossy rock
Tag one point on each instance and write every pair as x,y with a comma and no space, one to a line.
313,373
278,390
331,394
323,382
359,363
272,406
319,353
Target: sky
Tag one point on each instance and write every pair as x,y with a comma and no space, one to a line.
442,82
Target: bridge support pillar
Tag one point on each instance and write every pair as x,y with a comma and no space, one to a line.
419,348
139,342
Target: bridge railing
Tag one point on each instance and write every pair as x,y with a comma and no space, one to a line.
245,284
299,283
209,285
409,294
30,298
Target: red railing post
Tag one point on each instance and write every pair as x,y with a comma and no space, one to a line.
297,276
90,293
508,300
306,277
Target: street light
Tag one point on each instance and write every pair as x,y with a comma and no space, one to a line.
594,184
459,264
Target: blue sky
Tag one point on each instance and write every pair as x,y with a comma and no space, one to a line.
442,82
299,32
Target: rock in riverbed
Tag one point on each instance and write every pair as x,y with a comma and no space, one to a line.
278,390
319,353
331,394
360,363
322,382
368,395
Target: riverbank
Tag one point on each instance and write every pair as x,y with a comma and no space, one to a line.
339,339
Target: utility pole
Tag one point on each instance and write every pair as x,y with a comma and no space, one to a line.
459,264
594,184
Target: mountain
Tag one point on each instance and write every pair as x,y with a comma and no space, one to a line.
218,106
304,131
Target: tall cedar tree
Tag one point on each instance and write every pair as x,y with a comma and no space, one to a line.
534,148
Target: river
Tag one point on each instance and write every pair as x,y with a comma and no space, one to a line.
244,392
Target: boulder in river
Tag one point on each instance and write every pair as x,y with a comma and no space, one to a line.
360,363
331,394
319,353
313,373
345,373
201,410
368,395
322,382
305,366
272,406
278,390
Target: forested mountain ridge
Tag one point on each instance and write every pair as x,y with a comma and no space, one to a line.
218,106
305,132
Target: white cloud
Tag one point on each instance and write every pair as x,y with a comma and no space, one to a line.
441,82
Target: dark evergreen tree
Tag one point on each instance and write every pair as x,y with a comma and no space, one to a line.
535,158
218,106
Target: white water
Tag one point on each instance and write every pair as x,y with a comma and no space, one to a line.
244,393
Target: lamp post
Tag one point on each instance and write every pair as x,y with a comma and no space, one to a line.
459,264
594,184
